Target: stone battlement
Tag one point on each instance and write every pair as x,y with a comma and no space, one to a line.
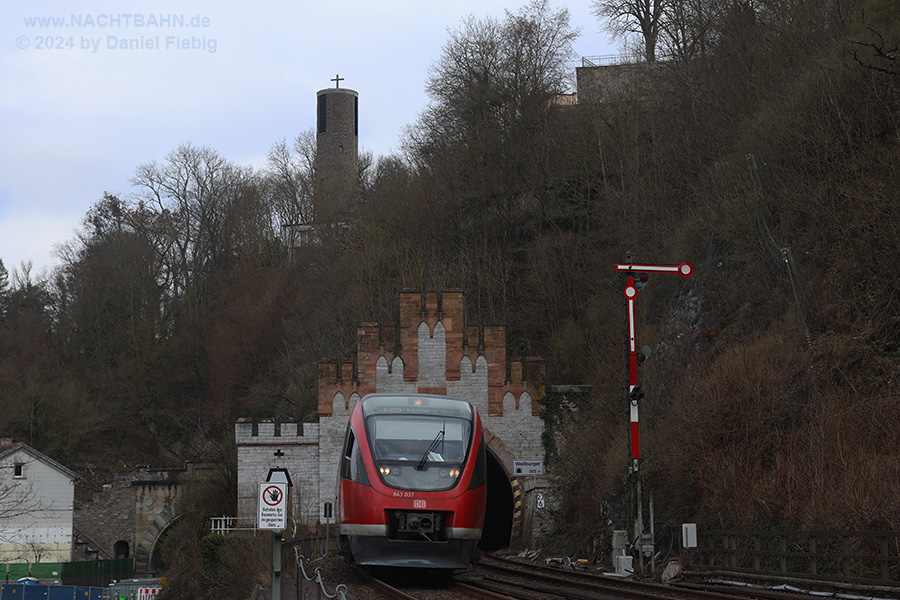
430,351
248,432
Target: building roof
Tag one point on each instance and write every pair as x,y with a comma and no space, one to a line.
8,448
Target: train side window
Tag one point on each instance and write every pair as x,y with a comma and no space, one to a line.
349,441
352,466
348,447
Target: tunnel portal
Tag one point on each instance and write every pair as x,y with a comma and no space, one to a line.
498,518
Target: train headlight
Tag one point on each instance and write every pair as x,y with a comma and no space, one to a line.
385,471
454,473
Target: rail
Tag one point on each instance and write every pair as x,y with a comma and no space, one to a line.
859,557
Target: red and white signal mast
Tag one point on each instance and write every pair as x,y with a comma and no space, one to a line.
635,277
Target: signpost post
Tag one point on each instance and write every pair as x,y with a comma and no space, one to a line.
272,515
633,283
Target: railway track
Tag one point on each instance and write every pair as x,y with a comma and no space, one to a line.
503,579
528,581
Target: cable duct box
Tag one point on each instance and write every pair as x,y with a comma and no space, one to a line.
689,535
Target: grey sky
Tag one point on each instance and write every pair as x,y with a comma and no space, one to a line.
78,113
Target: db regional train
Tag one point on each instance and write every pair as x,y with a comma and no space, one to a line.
412,484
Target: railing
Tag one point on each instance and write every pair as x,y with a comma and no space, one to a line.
312,586
311,546
859,557
224,525
605,60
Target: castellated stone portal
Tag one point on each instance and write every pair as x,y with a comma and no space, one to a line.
432,351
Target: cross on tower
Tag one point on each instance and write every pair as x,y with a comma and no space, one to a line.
278,453
337,81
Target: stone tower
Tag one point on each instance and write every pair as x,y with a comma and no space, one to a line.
337,136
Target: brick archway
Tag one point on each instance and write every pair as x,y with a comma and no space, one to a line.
147,550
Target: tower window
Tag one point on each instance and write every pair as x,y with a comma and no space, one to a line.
356,116
322,113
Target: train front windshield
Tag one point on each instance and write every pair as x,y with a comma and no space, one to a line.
419,446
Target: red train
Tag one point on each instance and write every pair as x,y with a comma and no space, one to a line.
412,484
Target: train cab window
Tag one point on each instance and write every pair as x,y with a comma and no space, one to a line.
422,452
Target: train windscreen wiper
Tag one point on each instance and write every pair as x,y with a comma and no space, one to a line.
438,439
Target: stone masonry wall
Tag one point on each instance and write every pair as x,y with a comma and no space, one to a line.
268,445
107,518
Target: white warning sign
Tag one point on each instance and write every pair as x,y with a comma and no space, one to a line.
272,506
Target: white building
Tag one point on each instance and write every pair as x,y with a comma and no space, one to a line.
36,503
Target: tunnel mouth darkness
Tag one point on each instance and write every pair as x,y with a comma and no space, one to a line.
498,517
156,563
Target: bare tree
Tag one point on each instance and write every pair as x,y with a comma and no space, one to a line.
210,213
876,54
4,289
686,29
485,134
291,173
628,17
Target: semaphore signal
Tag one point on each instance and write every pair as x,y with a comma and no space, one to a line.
634,271
630,292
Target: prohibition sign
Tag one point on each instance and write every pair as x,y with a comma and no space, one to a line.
272,505
272,495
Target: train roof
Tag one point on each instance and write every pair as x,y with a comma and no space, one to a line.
416,404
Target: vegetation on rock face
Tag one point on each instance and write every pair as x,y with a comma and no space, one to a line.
772,392
200,565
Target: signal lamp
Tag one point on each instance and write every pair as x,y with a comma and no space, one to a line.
641,281
636,394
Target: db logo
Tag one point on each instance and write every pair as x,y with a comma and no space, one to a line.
418,504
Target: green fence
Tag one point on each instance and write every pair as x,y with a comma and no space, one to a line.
13,571
97,572
85,572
